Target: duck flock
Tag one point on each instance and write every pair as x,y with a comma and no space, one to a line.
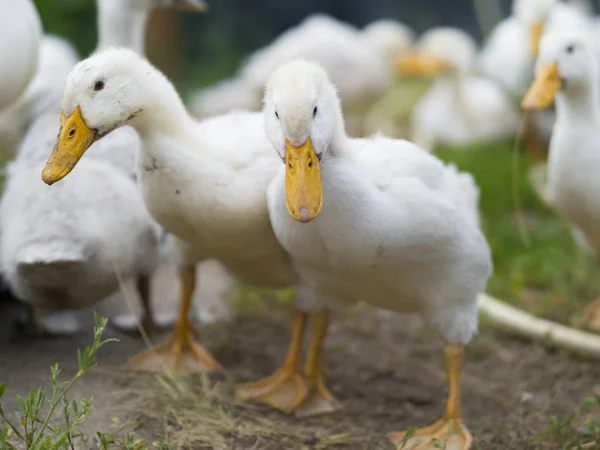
280,176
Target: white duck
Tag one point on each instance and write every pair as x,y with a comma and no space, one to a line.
375,220
460,108
34,256
20,35
57,57
59,248
508,56
509,53
203,182
568,74
360,61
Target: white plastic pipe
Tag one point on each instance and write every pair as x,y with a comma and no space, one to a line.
518,322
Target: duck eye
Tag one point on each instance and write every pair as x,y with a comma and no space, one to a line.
276,115
570,49
315,112
99,85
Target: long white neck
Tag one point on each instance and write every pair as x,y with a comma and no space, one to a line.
121,24
339,140
163,111
579,103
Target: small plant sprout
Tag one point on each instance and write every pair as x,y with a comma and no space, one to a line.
34,429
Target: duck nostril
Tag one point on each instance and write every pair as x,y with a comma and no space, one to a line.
310,164
72,132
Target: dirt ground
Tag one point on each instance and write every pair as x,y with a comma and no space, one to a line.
385,369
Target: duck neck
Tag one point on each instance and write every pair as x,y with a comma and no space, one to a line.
339,140
579,103
163,112
121,24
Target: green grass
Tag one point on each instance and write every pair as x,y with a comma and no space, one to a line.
37,428
537,264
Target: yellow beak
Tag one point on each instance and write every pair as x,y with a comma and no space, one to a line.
543,89
74,138
535,35
303,188
420,65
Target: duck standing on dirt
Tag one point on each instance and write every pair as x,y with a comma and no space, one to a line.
204,182
567,74
375,220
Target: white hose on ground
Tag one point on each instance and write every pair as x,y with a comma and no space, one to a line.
518,322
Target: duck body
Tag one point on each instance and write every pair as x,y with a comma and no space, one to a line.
69,262
355,65
460,108
19,46
407,248
374,220
573,160
458,112
573,165
505,59
201,188
204,182
567,73
61,247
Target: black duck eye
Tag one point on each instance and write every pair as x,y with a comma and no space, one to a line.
315,112
276,115
99,85
570,49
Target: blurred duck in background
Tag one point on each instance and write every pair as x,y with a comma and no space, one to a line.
59,248
57,57
567,74
360,61
20,34
509,53
460,108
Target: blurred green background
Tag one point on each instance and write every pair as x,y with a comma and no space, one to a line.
195,50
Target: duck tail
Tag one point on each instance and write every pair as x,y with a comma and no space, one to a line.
51,263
